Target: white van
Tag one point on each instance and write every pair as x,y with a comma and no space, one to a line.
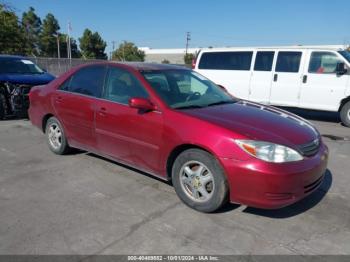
306,77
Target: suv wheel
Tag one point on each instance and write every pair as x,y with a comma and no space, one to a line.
55,137
345,114
199,180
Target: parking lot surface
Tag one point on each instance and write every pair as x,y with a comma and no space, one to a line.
84,204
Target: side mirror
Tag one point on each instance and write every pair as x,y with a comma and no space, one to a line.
142,104
223,88
341,69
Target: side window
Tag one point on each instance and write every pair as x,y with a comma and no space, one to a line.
87,81
121,85
263,61
323,63
288,62
226,60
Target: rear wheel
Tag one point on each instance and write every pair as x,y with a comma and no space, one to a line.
2,106
199,180
345,114
55,137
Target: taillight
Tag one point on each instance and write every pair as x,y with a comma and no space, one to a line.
194,61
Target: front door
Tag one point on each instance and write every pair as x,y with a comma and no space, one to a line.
285,88
123,132
322,88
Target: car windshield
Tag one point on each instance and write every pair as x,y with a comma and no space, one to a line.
345,54
19,66
183,89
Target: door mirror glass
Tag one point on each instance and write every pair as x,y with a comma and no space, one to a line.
141,103
341,69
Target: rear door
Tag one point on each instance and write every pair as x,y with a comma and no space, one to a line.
286,82
321,80
230,69
74,103
260,83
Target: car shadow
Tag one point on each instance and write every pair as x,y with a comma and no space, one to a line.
323,116
129,168
300,207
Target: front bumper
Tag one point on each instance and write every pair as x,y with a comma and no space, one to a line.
269,185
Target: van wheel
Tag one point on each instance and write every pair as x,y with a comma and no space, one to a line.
199,180
56,138
345,114
2,106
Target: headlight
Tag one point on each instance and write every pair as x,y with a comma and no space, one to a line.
269,152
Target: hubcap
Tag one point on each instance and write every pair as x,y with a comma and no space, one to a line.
197,181
349,114
55,136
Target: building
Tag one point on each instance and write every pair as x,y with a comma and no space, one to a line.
174,56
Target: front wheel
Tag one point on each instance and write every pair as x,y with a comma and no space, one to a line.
56,138
199,180
345,114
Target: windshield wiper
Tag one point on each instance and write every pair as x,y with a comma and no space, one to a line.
187,107
221,103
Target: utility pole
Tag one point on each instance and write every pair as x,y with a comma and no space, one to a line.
188,38
113,46
58,45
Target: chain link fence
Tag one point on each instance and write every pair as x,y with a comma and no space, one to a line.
58,66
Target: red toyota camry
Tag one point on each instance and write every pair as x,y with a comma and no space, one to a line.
175,124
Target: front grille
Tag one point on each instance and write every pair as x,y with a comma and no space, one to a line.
310,149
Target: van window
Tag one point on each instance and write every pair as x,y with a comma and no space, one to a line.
263,61
87,81
323,63
288,62
226,61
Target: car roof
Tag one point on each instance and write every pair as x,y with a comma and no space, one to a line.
11,57
295,47
140,66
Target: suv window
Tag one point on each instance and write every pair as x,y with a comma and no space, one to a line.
121,85
323,63
288,62
226,61
263,61
87,81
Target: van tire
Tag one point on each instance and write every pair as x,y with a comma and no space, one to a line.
345,114
219,188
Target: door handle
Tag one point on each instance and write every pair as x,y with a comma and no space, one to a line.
102,111
304,79
58,99
275,77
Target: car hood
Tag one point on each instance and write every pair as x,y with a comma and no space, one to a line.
258,122
28,79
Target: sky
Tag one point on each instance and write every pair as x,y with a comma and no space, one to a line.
164,23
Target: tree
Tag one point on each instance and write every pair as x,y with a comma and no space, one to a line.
92,45
48,36
128,51
11,34
31,25
73,45
188,58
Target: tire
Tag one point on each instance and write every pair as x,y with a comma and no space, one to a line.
199,180
345,114
55,136
2,107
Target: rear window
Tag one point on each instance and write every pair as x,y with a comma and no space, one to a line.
288,62
226,61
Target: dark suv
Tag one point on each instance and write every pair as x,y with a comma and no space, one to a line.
17,76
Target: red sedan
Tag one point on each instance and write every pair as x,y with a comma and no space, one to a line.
177,125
